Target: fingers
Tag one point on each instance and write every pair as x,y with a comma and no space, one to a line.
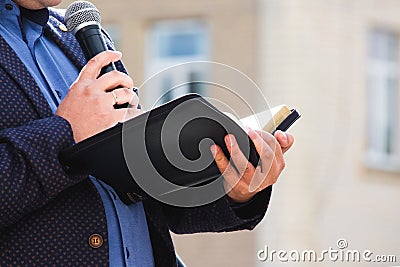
230,175
244,167
266,146
222,161
113,80
285,140
89,105
121,96
92,69
269,152
277,151
246,180
235,186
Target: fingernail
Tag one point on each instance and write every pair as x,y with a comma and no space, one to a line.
213,149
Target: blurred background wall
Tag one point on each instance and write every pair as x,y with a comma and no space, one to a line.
337,62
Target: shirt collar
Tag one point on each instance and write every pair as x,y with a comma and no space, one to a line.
40,16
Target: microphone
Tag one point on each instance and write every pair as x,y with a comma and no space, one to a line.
82,19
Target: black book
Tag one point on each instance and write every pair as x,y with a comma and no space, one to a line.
170,143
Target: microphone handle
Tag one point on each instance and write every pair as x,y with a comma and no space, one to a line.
92,43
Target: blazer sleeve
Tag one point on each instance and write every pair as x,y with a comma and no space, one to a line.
219,216
30,173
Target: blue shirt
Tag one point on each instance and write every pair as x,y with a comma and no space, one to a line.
128,235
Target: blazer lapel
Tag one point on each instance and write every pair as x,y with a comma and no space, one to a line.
12,64
56,31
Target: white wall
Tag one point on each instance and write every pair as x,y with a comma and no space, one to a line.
314,54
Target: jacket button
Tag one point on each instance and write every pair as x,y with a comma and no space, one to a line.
95,241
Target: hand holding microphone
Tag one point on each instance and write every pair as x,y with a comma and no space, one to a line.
89,104
83,20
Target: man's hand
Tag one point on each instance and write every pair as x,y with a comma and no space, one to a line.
89,104
242,184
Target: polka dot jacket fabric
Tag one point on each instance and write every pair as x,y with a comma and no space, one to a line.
48,216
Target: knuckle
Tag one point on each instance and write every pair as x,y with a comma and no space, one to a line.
240,189
93,61
124,79
246,169
218,158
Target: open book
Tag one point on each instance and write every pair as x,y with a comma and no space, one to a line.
276,118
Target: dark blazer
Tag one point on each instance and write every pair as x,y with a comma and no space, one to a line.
47,215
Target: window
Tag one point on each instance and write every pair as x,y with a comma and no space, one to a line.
383,100
173,42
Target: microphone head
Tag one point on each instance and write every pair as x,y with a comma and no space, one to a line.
80,14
